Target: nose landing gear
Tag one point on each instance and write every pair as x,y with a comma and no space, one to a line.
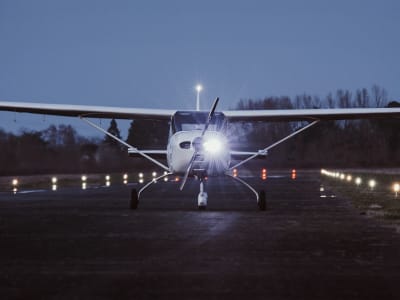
202,197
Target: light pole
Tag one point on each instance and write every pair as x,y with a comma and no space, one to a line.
198,89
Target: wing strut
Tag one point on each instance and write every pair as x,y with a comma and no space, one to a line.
265,150
125,144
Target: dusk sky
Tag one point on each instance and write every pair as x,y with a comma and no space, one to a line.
152,53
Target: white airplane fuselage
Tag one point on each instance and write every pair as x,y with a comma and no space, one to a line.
213,156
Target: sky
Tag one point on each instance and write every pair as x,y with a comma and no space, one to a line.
152,53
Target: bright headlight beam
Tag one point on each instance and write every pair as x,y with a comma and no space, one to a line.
213,146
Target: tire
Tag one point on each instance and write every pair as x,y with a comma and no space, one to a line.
262,203
134,199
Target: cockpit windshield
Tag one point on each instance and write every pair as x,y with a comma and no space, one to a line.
195,120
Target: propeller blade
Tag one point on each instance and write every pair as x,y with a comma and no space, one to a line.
210,115
196,150
188,171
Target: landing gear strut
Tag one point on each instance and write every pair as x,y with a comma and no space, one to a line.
135,195
262,204
260,196
202,197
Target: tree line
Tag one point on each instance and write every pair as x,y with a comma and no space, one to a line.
350,143
335,144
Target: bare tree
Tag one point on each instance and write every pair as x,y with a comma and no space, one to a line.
379,96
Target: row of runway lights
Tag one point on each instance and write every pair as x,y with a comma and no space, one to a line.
84,179
141,179
264,173
358,180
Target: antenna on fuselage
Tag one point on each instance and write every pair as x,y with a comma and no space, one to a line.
198,89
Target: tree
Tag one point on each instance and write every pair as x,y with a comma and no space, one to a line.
113,129
149,134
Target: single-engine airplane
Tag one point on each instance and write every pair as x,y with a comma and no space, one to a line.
198,146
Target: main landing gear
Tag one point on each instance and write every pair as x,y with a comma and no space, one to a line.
260,196
135,195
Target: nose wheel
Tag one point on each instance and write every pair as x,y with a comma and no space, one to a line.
202,197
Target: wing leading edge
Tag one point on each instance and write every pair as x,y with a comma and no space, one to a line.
232,115
311,114
86,110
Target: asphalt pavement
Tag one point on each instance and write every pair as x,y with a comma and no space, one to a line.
87,244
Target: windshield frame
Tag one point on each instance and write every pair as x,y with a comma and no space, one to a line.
180,118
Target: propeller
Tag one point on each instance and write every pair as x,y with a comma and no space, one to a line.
198,141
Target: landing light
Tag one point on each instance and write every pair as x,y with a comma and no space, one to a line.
213,146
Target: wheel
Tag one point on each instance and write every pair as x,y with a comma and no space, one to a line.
262,204
202,200
134,199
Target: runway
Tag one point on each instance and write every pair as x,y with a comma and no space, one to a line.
87,244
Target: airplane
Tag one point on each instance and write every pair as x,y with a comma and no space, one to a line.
198,146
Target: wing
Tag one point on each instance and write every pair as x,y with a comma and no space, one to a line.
311,114
86,110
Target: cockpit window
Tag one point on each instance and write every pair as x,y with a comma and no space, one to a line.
195,120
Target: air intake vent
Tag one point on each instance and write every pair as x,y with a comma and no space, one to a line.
185,145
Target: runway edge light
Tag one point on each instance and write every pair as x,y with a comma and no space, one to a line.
294,174
372,184
396,188
264,174
15,185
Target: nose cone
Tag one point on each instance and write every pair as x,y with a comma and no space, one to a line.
212,149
